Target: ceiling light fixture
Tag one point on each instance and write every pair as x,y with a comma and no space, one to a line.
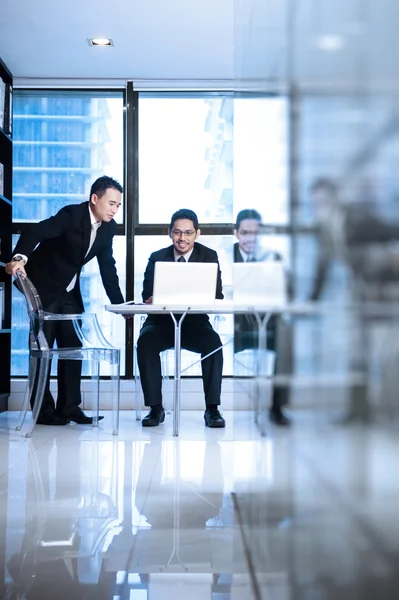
100,42
331,43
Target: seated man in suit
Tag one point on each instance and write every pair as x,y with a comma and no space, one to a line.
54,252
197,335
247,249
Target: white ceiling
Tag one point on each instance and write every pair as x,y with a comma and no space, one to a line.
209,43
153,39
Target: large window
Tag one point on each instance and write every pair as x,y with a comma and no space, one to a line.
216,154
213,153
63,142
185,156
261,157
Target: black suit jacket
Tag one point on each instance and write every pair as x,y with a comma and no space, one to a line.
200,253
270,255
237,254
245,326
56,249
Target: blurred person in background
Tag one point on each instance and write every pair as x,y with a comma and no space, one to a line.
247,249
355,234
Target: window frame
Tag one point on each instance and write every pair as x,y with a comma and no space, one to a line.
130,226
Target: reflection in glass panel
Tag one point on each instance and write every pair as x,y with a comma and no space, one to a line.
333,131
63,141
94,298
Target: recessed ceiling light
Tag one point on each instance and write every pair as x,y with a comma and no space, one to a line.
330,43
100,42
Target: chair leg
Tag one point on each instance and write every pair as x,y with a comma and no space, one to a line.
137,385
44,366
115,391
167,394
28,392
96,397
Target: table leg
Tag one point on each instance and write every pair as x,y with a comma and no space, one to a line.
261,411
177,379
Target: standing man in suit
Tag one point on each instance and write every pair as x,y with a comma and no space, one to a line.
246,249
54,252
197,335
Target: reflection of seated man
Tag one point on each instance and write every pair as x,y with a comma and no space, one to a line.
197,334
170,501
246,249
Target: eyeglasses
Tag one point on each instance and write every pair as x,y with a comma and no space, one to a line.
245,233
178,233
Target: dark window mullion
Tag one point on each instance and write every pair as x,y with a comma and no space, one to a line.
131,210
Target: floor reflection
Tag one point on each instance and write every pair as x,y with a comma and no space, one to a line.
86,517
148,516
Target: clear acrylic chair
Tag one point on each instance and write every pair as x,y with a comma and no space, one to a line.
94,348
138,392
65,525
167,362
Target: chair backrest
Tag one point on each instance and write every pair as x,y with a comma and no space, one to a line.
35,310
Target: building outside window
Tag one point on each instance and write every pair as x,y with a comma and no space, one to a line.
63,141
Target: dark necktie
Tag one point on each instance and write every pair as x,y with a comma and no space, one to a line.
181,259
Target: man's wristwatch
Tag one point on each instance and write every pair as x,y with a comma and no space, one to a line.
17,258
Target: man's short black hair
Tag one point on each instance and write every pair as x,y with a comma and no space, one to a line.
184,213
247,213
325,185
102,184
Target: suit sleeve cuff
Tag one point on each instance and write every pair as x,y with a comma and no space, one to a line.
25,258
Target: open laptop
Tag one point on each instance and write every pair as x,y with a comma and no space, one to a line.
188,284
259,283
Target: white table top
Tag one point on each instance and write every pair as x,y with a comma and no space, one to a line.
220,307
387,310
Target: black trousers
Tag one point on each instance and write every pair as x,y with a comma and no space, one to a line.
246,333
197,335
68,371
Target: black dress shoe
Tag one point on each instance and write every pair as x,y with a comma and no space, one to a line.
278,418
213,418
79,417
51,419
155,417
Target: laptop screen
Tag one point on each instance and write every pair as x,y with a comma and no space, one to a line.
188,284
258,283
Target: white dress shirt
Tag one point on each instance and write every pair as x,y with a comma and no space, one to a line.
186,256
95,225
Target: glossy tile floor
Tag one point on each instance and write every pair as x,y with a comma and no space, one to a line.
84,515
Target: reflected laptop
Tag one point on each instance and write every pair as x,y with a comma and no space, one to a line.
189,283
259,283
